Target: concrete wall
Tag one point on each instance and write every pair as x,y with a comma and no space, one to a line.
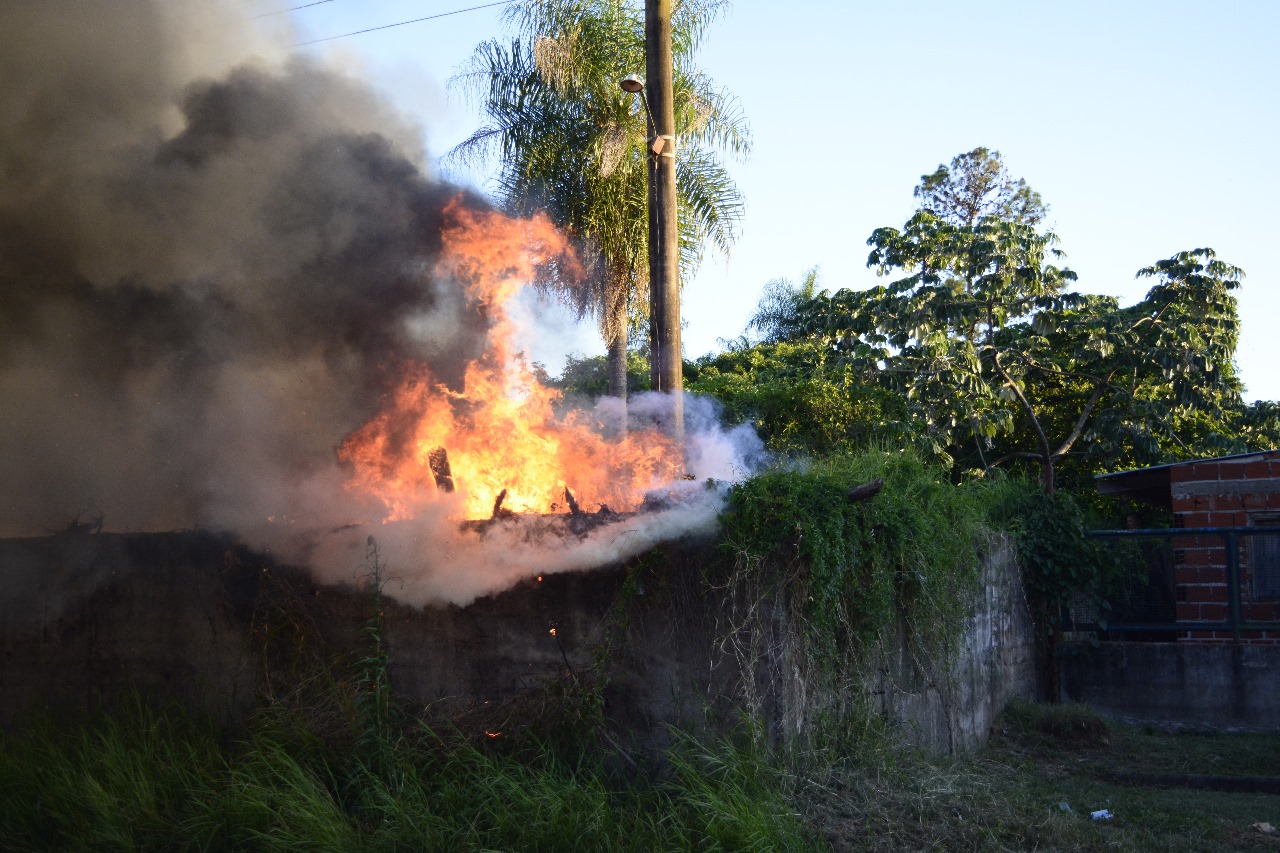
169,614
954,705
1198,685
197,618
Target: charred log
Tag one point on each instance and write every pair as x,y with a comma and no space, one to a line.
574,509
866,490
438,461
536,527
498,510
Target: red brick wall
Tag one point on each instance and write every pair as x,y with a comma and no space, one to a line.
1221,493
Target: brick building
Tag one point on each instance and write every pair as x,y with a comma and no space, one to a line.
1239,495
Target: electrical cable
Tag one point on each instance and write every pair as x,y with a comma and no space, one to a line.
291,9
402,23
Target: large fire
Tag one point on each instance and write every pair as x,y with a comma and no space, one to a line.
502,438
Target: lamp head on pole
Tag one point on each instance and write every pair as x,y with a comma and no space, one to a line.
632,83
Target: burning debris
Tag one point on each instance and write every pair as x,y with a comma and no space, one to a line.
215,270
573,504
498,441
535,527
438,462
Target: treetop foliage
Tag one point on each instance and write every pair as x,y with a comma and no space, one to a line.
777,315
976,185
998,362
982,337
568,140
801,401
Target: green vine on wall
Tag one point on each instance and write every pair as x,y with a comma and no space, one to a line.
1061,565
912,552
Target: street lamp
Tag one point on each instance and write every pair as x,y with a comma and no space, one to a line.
634,84
665,365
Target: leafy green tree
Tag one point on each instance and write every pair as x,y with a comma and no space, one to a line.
1001,362
976,185
800,399
1163,370
982,337
997,362
779,315
569,141
1257,425
588,376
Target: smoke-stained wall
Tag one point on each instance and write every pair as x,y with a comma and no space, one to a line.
196,619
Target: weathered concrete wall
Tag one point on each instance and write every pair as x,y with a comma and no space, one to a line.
1181,684
744,648
196,618
165,614
953,706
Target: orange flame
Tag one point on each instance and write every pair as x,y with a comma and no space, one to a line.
501,431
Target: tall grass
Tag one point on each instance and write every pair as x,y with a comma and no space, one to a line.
147,780
124,782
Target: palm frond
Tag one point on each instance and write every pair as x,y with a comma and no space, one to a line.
568,141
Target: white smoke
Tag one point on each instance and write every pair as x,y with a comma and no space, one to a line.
432,558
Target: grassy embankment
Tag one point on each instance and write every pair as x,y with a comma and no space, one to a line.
150,781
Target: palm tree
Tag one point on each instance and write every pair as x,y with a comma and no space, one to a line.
570,142
780,314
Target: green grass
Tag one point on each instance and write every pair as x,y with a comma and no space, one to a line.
1009,796
143,780
151,781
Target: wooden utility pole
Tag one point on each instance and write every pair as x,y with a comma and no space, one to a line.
666,368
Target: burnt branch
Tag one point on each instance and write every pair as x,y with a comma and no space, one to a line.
574,509
438,461
866,490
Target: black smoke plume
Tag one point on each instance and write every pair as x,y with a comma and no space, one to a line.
211,269
208,264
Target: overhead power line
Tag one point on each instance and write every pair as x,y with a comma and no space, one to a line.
291,9
402,23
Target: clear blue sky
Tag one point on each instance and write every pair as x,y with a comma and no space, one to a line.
1148,127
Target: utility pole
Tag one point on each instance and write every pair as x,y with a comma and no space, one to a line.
666,368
